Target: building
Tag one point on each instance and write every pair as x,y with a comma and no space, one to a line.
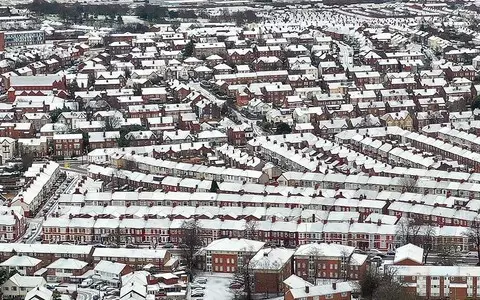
110,272
334,291
134,258
226,255
68,144
18,285
439,282
39,293
328,261
66,270
24,265
409,254
21,38
271,266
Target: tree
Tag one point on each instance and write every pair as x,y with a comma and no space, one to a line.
407,231
408,184
376,286
54,114
346,261
315,254
446,254
56,295
120,20
72,88
473,235
283,128
427,236
190,241
112,123
250,231
27,160
214,187
243,279
90,80
127,73
188,50
137,89
5,274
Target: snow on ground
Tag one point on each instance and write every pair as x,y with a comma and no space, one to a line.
132,20
217,286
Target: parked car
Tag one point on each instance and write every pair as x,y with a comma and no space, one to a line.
195,286
375,252
391,252
197,293
168,246
200,280
472,254
377,259
86,283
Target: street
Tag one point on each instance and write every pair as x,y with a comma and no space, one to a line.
34,228
345,55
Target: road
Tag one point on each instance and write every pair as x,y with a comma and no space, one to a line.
206,93
345,55
35,224
75,166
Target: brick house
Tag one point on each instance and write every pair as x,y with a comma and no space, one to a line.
68,145
271,266
23,264
226,255
328,261
334,291
408,255
66,270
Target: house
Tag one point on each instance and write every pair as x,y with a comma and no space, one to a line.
335,291
66,270
68,144
202,50
39,293
7,149
401,119
133,258
409,254
110,272
228,254
328,261
24,265
18,285
436,282
271,266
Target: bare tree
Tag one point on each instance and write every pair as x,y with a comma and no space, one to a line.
346,262
408,184
112,122
473,235
376,286
446,254
314,258
190,241
243,281
251,230
408,230
427,236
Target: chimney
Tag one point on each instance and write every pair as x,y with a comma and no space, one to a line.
334,285
307,289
